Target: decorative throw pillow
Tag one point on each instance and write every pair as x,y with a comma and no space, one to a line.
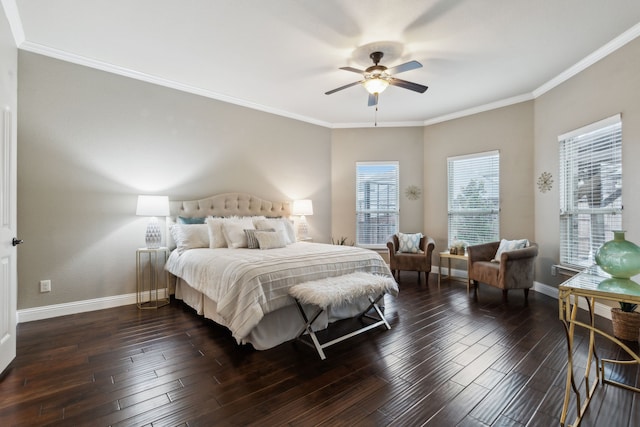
252,241
509,245
234,234
185,220
270,239
409,243
278,224
290,231
190,236
216,237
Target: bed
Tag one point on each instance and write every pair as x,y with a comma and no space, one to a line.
247,289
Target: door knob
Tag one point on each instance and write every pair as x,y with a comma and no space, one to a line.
16,242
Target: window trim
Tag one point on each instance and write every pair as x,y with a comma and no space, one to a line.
492,211
395,211
569,249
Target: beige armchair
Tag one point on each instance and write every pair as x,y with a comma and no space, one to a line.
420,262
514,271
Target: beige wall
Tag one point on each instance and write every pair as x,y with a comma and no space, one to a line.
349,146
508,130
608,87
90,142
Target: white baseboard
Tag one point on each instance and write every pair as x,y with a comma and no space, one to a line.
547,290
599,308
49,311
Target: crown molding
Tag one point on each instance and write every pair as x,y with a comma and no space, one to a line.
480,109
15,23
149,78
160,81
588,61
374,125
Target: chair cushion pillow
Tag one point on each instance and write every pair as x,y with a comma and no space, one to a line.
409,243
509,245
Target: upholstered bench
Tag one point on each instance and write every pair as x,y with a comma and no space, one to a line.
337,290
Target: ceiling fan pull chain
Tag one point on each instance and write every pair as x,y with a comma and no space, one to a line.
375,121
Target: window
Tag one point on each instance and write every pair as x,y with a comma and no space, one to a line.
474,198
590,185
377,209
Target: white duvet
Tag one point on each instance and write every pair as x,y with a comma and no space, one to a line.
248,283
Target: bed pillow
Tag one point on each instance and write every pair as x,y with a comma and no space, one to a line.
270,239
278,224
234,234
185,220
216,237
190,236
252,242
509,245
409,243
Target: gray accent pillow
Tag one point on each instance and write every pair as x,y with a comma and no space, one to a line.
270,239
252,241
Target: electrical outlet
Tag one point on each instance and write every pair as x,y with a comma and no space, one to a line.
45,286
554,270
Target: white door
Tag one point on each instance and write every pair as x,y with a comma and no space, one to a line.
8,242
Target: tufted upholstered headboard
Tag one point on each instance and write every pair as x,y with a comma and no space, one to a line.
224,205
229,204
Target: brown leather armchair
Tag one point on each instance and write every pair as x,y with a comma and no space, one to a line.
514,271
420,262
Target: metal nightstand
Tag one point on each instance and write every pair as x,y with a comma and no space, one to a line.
152,281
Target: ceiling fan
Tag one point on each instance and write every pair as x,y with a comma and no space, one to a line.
378,77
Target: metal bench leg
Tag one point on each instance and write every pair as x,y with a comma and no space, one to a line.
308,329
374,305
320,346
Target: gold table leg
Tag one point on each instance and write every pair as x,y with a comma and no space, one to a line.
570,311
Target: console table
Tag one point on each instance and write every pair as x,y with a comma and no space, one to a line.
592,284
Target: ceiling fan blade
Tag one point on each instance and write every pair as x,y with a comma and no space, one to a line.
343,87
411,65
408,85
353,70
373,99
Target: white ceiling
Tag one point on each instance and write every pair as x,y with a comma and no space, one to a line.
281,56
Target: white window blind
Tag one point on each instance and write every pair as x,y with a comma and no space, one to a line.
377,207
590,187
474,197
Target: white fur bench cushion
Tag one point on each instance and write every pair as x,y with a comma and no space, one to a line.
339,289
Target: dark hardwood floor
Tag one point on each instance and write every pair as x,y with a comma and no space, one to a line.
449,360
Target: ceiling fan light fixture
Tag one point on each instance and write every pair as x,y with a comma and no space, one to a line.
375,85
378,77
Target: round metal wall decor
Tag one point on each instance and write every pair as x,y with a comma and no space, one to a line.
545,182
412,192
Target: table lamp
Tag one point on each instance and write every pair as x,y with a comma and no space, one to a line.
302,208
153,207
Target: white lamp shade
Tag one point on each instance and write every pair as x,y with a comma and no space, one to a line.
375,85
153,206
302,207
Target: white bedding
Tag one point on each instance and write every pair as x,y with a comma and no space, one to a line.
246,284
